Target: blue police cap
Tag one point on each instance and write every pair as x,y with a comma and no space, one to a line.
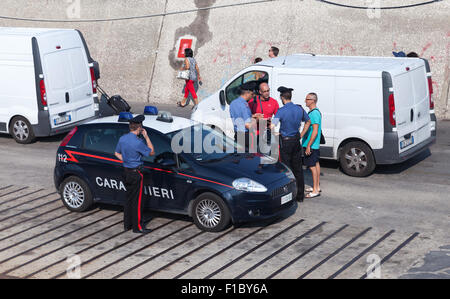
248,86
283,89
138,119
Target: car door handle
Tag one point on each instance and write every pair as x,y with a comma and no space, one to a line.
67,97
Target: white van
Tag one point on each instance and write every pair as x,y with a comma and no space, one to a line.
375,110
47,82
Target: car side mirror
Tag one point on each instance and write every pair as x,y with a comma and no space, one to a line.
222,98
96,70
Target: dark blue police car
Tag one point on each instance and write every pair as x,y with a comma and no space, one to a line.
213,188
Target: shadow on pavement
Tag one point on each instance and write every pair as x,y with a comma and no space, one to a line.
381,169
149,215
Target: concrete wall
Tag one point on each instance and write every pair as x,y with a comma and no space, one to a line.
137,56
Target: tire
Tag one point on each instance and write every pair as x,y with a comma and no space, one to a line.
210,213
356,159
21,130
76,194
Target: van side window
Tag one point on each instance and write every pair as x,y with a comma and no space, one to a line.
232,90
103,140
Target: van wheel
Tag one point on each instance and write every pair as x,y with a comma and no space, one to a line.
210,213
75,194
356,159
21,130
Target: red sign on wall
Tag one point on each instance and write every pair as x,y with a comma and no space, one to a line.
184,44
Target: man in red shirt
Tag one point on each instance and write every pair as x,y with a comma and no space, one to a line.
263,108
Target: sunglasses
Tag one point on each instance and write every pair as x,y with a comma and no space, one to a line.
309,99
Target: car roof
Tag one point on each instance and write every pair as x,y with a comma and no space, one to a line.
151,121
341,63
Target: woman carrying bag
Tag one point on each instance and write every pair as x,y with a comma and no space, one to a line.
191,73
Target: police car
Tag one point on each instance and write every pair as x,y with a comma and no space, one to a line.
214,188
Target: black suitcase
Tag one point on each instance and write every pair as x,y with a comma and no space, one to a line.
112,105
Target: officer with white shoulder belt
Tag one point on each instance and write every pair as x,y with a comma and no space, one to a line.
130,150
290,117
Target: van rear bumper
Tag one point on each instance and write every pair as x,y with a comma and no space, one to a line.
43,128
389,154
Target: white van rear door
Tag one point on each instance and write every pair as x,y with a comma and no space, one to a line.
67,78
422,104
411,107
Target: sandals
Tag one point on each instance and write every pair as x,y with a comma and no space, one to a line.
182,106
312,195
310,190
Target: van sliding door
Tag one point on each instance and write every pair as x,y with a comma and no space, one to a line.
324,86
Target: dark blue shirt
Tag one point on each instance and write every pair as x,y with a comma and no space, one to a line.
240,114
291,117
132,149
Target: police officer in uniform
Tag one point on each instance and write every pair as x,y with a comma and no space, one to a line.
130,150
240,113
290,116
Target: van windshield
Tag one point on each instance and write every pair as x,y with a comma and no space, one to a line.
232,91
203,143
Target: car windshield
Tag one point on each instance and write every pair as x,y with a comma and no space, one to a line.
203,143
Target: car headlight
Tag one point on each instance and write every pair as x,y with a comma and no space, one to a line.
248,185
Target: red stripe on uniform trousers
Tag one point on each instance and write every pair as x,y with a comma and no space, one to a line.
140,200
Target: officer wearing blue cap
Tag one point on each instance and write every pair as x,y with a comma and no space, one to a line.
130,150
291,116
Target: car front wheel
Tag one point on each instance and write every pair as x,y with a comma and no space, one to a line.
210,213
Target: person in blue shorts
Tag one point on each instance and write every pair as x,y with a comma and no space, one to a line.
311,144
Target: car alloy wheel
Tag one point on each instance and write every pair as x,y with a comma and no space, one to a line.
208,213
73,195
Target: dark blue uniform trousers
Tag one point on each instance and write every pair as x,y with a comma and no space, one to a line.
132,212
291,155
